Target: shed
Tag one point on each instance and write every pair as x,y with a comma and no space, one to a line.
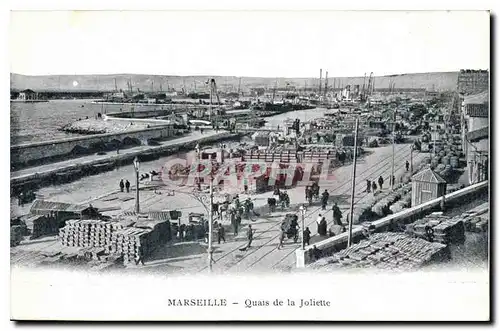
61,209
427,185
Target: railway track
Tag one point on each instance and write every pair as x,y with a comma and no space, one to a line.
377,168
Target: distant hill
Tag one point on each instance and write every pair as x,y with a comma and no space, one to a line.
439,81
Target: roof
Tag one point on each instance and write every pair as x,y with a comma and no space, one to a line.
162,215
482,133
28,91
429,176
479,98
48,206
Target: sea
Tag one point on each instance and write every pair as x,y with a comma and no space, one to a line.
37,122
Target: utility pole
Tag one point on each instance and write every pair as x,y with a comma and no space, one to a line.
210,224
393,149
351,211
303,212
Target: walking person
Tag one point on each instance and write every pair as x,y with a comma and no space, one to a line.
249,237
122,186
324,199
221,234
307,236
380,182
127,185
374,187
407,166
368,186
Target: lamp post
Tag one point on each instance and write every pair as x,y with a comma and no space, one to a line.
302,212
353,185
210,224
136,166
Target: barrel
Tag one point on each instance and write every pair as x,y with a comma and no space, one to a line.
434,162
454,162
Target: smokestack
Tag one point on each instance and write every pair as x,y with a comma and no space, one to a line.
326,83
320,77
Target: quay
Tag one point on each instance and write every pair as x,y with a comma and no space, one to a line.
37,175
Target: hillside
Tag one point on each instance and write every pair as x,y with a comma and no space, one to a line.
431,81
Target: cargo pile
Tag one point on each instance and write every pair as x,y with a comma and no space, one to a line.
439,228
387,199
43,225
476,220
117,238
16,234
389,251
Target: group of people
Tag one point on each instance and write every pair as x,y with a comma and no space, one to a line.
125,185
372,186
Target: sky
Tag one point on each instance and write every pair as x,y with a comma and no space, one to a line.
247,43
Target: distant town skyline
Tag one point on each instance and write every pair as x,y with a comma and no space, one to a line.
266,44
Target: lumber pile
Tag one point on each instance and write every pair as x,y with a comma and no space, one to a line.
16,234
43,225
476,220
393,251
439,228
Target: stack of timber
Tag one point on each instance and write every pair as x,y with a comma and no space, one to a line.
16,234
436,227
392,251
476,220
43,225
90,233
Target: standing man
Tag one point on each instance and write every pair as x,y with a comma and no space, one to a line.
323,227
368,186
380,182
324,199
307,236
221,233
237,222
318,222
127,185
122,186
407,166
337,215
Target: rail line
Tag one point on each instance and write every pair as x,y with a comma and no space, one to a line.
312,222
384,162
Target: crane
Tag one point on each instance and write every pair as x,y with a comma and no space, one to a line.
213,91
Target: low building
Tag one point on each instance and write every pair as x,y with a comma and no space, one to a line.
475,135
27,95
426,185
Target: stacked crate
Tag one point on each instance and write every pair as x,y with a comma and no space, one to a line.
395,251
90,233
438,228
126,242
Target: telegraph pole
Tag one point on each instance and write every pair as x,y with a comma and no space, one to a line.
393,150
351,211
210,224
